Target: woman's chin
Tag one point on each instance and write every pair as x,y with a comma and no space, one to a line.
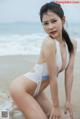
54,36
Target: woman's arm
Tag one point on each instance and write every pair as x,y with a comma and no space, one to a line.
69,78
49,51
69,75
69,82
50,55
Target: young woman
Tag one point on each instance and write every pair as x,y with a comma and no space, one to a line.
57,54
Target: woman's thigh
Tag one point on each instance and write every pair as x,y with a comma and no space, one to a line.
22,90
21,84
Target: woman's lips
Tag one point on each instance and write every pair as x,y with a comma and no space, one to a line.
53,32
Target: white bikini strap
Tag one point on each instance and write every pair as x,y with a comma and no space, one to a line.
37,88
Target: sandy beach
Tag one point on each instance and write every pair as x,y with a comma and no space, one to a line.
13,66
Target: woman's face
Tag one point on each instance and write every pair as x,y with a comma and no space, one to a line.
52,24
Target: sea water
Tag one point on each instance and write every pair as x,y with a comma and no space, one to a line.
26,38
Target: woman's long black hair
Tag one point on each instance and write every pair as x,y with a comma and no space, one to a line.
56,8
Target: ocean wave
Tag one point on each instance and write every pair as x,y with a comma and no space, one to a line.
21,44
28,44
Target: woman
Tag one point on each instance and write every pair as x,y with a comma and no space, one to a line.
57,54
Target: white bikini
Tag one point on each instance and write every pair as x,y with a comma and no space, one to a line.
41,71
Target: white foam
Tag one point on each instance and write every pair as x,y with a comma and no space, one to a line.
20,44
29,44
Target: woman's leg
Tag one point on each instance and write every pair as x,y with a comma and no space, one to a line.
44,102
21,91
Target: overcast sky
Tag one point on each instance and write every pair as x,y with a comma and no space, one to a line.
28,10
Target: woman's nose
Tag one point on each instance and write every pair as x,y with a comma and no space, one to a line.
50,26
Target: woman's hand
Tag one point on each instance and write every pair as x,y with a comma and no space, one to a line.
55,113
68,109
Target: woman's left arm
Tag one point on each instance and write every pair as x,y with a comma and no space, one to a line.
69,74
69,81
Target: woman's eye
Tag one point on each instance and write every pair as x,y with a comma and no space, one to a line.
53,21
45,23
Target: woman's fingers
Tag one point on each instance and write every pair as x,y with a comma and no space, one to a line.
69,110
71,114
51,116
65,111
55,117
55,113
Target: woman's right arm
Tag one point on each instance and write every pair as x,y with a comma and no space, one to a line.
50,54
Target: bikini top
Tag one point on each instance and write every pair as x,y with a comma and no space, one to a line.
43,67
59,58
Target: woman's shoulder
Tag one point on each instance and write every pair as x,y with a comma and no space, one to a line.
48,46
48,42
74,42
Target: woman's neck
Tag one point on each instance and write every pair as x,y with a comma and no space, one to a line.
59,39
